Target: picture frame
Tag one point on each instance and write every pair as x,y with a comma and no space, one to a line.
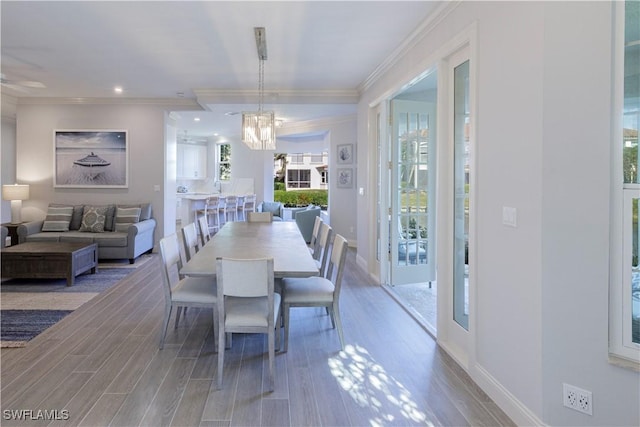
344,154
344,178
90,158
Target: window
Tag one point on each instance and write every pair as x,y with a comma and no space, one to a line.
625,280
223,162
298,178
324,177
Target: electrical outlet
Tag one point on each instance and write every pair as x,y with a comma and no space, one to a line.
577,398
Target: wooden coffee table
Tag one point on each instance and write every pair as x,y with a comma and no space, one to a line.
49,260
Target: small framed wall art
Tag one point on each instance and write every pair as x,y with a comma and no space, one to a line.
90,159
345,154
345,178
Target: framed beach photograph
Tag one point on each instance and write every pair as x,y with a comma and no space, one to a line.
345,154
90,159
345,178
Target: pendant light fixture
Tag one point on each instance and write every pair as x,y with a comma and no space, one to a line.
258,127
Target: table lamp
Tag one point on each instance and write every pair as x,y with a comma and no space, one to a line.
16,193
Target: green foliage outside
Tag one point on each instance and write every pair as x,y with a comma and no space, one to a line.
279,186
300,198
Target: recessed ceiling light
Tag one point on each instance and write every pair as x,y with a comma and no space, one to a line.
216,134
196,119
117,89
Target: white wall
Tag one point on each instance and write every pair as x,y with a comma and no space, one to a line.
8,162
542,135
36,121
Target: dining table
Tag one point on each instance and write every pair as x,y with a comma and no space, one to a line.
280,240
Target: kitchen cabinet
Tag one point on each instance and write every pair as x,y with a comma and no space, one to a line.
192,161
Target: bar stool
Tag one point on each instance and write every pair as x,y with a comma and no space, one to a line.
211,212
248,205
231,208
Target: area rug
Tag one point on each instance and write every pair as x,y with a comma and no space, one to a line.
30,306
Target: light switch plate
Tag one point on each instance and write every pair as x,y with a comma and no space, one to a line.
509,216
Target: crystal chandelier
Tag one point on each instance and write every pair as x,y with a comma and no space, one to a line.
258,127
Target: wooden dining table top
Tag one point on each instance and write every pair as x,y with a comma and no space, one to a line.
280,240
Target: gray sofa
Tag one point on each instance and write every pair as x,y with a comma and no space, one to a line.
121,239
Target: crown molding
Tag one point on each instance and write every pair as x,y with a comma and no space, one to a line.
221,96
324,123
174,102
432,21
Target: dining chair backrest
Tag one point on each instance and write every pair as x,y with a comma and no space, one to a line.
205,235
245,278
314,233
190,238
335,266
171,262
325,237
259,217
247,303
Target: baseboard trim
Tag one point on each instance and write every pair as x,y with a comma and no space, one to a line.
515,409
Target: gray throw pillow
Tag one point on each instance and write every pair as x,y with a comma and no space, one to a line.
58,218
94,218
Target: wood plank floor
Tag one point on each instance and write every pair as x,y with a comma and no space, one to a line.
101,366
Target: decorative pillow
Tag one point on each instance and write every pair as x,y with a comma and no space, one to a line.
125,217
93,219
58,218
110,218
145,209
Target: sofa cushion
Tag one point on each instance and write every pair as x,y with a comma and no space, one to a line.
115,239
77,237
58,218
49,236
125,217
93,219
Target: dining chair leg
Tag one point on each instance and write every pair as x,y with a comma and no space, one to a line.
285,310
270,339
167,314
221,343
336,314
178,312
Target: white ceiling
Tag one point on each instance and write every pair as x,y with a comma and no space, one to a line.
320,53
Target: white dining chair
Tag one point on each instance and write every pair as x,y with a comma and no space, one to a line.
259,217
317,291
314,234
325,239
183,292
190,240
247,304
205,233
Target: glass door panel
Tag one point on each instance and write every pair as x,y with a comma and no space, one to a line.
461,195
413,186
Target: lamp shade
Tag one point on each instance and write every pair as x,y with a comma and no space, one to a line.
15,192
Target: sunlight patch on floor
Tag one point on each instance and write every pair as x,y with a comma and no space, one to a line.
371,386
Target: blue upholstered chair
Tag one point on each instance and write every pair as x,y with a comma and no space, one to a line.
305,219
276,208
